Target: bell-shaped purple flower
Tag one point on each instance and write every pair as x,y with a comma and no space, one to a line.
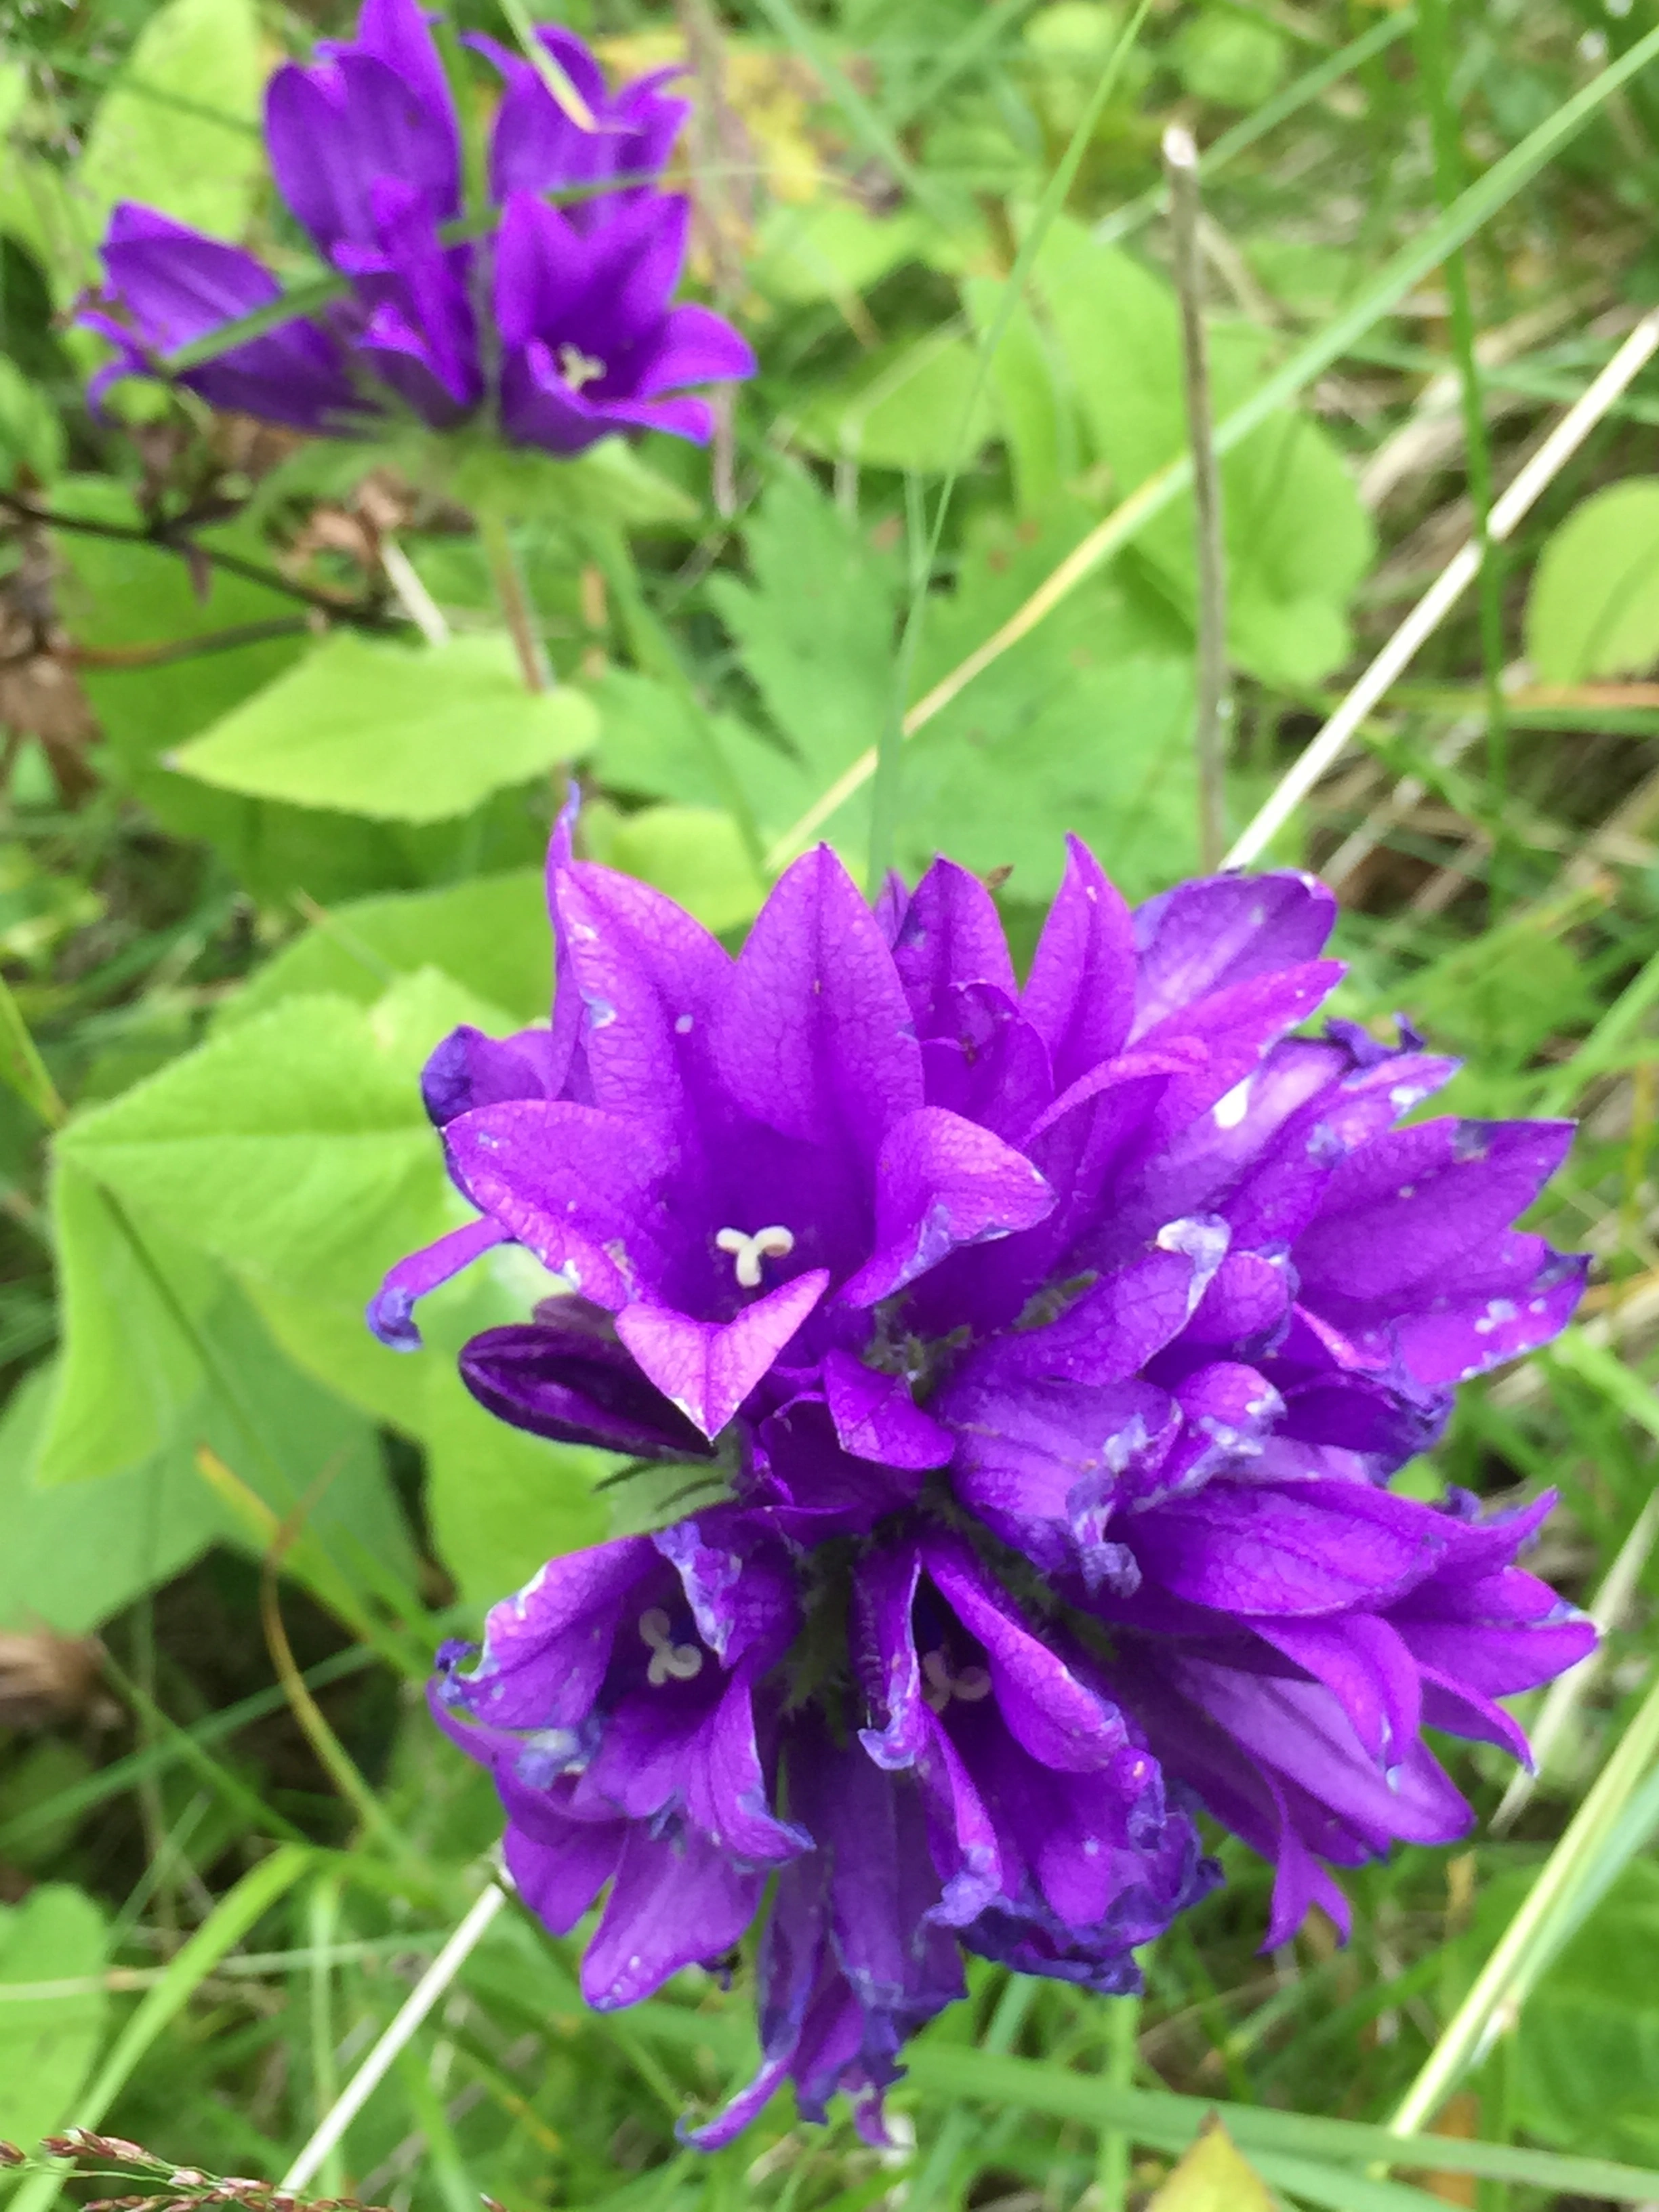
561,327
614,1700
1063,1337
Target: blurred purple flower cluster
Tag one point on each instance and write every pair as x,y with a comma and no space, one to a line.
560,320
1046,1351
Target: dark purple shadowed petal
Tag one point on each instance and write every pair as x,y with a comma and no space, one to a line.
577,1389
176,285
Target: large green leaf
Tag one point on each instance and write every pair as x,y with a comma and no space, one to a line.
47,2045
293,1147
73,1556
178,130
490,936
660,743
1587,2046
1297,539
815,628
502,1502
921,405
1593,606
131,1292
362,727
1084,725
36,209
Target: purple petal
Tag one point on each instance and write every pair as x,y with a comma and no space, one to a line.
1107,1335
1057,1718
677,1901
1214,934
706,1369
1368,1669
1412,1204
573,1185
694,346
950,933
941,1182
396,32
741,1594
884,1586
1317,1548
391,1309
649,978
178,286
1044,1464
814,1036
1082,988
877,1418
1451,1347
559,1878
575,1389
545,1650
333,130
469,1070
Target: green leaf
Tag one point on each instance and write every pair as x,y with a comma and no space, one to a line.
815,628
1084,725
129,1364
1035,407
609,485
918,405
73,1556
47,2045
1297,539
1587,2044
656,741
833,249
294,1444
31,436
362,727
695,855
178,130
502,1502
1229,60
36,209
490,936
293,1147
1593,606
1214,2178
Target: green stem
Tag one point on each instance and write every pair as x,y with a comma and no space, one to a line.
513,600
1123,2047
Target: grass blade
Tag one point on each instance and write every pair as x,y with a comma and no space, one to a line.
237,1911
1164,2121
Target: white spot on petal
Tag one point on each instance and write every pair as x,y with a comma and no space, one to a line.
1229,1111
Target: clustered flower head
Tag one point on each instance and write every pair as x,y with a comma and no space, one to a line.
1045,1352
557,320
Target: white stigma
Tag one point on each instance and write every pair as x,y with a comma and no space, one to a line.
773,1244
577,367
970,1685
670,1661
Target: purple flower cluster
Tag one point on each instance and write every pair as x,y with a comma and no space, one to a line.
1045,1350
559,321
